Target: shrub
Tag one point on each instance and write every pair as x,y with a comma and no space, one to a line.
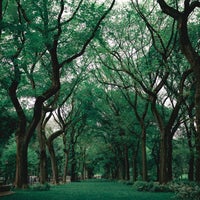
186,190
143,185
151,187
41,187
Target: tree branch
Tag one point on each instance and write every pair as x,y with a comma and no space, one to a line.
193,5
87,42
169,10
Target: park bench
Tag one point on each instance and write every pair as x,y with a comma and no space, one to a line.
4,188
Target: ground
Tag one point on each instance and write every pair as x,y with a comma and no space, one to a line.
91,190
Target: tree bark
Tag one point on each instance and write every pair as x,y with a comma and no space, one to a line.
169,157
197,135
163,143
126,163
83,164
21,135
163,158
191,166
190,132
134,162
54,166
73,163
144,155
66,166
42,155
156,155
43,165
21,178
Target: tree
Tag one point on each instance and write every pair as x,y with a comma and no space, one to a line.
191,54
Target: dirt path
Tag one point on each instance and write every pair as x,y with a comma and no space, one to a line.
5,193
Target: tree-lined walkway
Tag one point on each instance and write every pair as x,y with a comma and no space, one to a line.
88,191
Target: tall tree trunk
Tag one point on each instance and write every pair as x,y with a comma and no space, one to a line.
43,159
43,156
191,159
54,166
43,166
197,135
190,132
144,155
66,166
120,159
83,165
169,157
163,144
73,156
73,163
126,163
163,158
134,161
191,166
49,143
135,171
166,136
21,177
156,155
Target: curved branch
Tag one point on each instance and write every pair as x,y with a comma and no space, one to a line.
87,42
169,10
193,5
21,9
53,136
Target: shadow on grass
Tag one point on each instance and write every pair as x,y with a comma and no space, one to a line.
89,190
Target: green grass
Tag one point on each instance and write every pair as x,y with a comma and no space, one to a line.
88,191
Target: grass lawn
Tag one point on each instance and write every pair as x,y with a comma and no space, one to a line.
88,191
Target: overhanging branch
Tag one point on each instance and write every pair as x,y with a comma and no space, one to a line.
81,52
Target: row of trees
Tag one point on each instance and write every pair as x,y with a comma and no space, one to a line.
38,40
150,70
103,136
126,102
